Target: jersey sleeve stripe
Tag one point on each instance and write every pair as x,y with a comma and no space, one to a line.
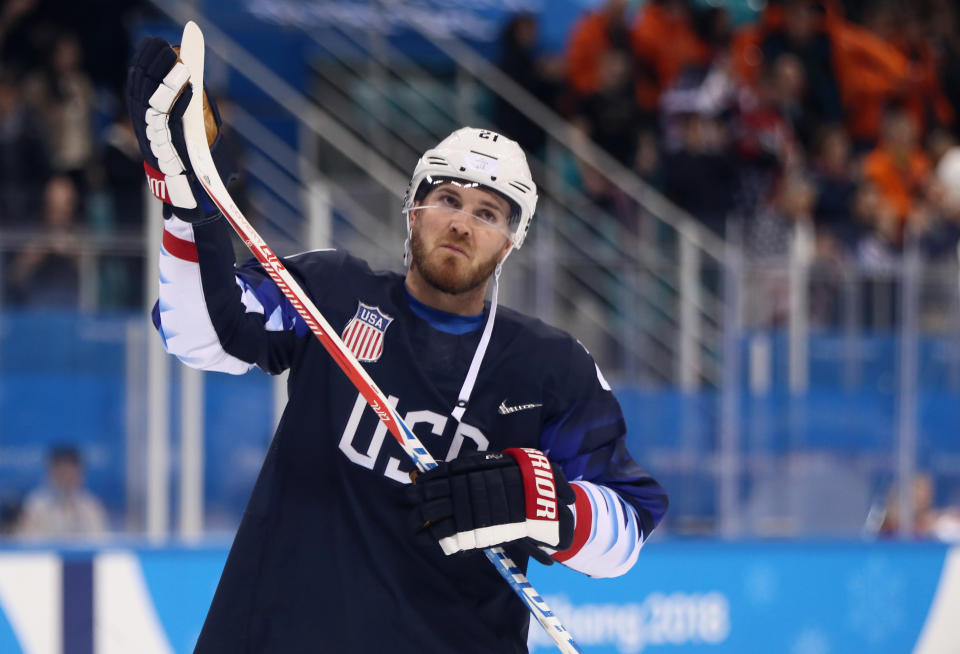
180,248
182,317
583,517
613,535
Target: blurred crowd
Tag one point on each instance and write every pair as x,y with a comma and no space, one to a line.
69,161
838,114
60,508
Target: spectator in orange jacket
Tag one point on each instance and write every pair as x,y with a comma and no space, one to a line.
870,72
665,43
593,35
889,62
898,166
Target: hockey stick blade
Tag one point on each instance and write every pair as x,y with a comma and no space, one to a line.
192,54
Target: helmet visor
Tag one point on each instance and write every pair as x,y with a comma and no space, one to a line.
493,214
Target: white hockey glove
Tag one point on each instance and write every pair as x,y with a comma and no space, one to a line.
488,499
158,92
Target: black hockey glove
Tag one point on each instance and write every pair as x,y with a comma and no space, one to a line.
158,92
488,499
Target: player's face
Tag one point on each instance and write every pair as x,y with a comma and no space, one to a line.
458,237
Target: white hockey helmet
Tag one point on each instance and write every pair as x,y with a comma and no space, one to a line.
484,157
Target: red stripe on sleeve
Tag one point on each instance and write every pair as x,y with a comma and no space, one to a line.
179,247
581,532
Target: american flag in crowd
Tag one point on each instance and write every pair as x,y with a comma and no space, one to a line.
363,335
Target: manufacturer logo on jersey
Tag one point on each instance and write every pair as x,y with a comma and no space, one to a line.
503,409
157,182
363,335
159,188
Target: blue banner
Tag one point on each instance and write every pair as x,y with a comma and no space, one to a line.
798,598
696,597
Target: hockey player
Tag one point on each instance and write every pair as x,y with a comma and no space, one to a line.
337,550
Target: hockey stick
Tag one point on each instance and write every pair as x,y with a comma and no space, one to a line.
192,54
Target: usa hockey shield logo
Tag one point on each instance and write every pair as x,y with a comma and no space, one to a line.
363,335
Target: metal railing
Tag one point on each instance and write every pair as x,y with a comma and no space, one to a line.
763,456
679,318
667,336
88,250
673,316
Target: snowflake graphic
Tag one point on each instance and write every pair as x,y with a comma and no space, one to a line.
761,584
874,599
811,640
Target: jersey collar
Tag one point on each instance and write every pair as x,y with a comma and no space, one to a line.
451,323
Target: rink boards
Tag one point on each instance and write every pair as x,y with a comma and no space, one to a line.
794,598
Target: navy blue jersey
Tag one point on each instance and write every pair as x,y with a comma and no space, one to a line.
326,557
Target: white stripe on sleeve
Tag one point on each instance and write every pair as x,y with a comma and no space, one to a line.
185,325
615,538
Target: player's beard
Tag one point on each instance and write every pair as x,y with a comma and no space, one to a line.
445,275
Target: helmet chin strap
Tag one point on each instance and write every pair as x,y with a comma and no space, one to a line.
468,383
406,243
